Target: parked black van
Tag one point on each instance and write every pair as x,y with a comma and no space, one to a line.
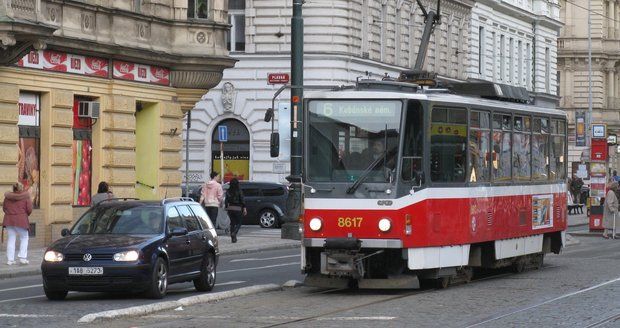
265,202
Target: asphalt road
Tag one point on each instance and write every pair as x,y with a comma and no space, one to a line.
578,288
23,304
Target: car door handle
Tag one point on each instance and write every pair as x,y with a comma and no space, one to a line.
188,241
204,237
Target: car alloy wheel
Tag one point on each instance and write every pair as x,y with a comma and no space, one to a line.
267,219
206,281
159,280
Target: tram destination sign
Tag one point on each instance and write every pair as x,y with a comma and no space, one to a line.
367,109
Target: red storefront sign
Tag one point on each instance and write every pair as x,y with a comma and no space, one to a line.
141,73
49,60
599,150
278,78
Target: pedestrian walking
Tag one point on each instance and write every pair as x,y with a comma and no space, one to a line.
235,206
211,197
17,207
103,192
610,210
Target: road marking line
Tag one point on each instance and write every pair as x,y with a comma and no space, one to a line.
259,268
6,315
355,318
266,258
23,298
23,287
217,284
547,302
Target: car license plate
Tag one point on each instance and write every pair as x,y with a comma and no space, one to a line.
85,271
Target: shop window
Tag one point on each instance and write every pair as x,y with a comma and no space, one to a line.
197,9
82,156
29,156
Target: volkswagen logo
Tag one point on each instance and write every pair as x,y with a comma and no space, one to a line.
87,257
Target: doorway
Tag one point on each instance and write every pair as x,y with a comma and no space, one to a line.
236,151
147,150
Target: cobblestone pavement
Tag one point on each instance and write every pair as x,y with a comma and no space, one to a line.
578,288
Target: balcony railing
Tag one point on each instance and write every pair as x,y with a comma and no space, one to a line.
25,8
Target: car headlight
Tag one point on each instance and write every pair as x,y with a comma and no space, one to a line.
53,256
316,224
385,225
127,256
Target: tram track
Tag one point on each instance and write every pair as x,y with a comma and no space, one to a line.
609,319
384,300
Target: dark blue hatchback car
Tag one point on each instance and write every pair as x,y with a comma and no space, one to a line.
132,245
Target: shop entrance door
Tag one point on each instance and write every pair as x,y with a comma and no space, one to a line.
236,151
147,152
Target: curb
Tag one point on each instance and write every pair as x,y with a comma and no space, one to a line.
142,310
37,270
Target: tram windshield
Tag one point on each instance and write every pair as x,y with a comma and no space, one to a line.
353,140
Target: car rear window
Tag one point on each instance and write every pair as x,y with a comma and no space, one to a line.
191,223
113,220
273,191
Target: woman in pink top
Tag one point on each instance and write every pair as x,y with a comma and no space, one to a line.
211,197
17,206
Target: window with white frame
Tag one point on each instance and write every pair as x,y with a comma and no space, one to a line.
511,63
197,9
235,40
547,70
481,51
528,62
494,37
520,63
502,58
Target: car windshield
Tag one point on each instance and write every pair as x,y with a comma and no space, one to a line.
142,220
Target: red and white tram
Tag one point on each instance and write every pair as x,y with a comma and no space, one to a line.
404,183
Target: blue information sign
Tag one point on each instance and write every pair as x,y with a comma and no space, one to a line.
222,133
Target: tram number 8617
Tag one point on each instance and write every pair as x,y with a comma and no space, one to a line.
350,222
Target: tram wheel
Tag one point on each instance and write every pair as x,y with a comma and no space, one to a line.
443,282
466,274
539,261
519,265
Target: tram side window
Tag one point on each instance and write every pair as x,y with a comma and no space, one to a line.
558,157
502,144
448,144
521,156
479,146
540,150
412,145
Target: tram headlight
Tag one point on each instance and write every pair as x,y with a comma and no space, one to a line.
385,224
316,224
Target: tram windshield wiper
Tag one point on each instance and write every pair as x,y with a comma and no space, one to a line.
365,174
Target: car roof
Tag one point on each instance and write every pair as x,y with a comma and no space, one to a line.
132,202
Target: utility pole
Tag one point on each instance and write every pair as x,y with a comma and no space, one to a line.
290,227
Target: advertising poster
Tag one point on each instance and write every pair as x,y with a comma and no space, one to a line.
580,129
81,172
234,167
28,167
29,144
542,211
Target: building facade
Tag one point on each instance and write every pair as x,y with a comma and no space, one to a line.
359,39
96,90
605,71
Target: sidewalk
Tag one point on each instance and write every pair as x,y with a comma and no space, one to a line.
251,239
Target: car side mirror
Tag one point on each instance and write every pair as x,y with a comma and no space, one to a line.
274,144
65,232
178,232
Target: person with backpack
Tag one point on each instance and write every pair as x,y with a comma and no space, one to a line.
235,206
211,197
